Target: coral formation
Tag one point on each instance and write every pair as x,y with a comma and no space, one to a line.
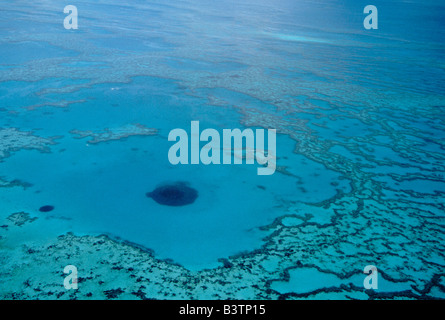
12,139
20,218
115,133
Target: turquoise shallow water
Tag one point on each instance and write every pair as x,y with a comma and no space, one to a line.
102,187
360,117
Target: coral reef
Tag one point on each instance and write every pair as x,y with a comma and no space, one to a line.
12,139
20,218
14,183
381,130
115,133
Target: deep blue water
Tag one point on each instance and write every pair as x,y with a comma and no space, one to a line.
350,106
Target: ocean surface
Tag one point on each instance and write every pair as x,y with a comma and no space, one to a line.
85,116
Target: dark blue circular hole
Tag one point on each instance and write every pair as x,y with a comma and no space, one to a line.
174,194
46,208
